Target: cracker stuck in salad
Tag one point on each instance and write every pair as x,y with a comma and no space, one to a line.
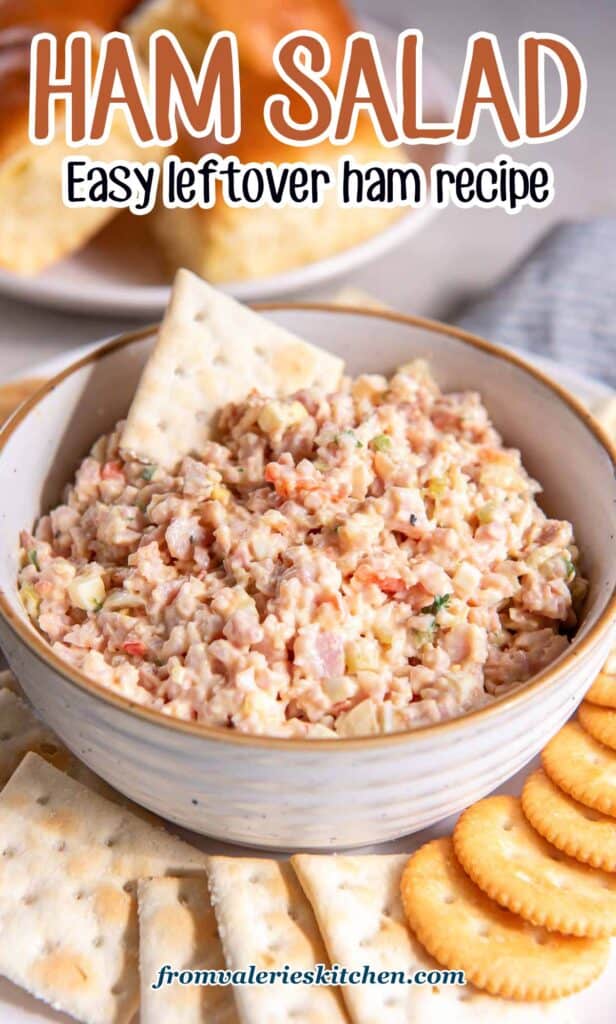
328,563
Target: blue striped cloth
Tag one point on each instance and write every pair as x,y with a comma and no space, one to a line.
560,301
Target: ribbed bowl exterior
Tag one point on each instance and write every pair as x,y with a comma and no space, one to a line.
320,798
294,794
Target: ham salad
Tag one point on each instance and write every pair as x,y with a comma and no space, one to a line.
333,565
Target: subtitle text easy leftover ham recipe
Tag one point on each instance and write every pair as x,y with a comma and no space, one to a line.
332,565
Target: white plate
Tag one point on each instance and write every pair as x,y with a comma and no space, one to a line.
121,272
595,1004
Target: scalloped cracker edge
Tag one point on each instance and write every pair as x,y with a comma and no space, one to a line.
579,831
545,887
358,907
501,953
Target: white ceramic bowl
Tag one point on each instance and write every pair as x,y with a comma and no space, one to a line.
313,794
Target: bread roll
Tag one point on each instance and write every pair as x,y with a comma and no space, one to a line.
36,229
51,15
258,25
226,244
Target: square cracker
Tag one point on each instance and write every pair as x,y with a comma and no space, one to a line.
265,919
21,731
177,926
357,904
69,865
211,350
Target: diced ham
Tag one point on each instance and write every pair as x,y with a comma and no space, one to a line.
334,564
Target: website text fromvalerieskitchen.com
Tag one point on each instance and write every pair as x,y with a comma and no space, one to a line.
320,974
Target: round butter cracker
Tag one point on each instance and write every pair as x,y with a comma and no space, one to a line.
499,952
583,833
600,723
603,691
583,768
515,866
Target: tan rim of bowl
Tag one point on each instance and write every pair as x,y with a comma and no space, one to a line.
43,652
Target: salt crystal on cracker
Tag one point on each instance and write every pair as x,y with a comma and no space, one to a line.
211,350
177,926
69,865
265,919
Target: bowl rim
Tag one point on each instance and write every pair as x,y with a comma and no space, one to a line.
26,633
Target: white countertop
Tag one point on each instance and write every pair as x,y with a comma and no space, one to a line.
462,252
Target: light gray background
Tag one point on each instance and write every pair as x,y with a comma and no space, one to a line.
463,252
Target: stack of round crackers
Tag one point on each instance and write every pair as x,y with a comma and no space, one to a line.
522,897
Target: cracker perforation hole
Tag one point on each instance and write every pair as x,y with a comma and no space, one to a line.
8,852
507,826
60,846
129,887
98,942
449,898
48,748
4,736
42,801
